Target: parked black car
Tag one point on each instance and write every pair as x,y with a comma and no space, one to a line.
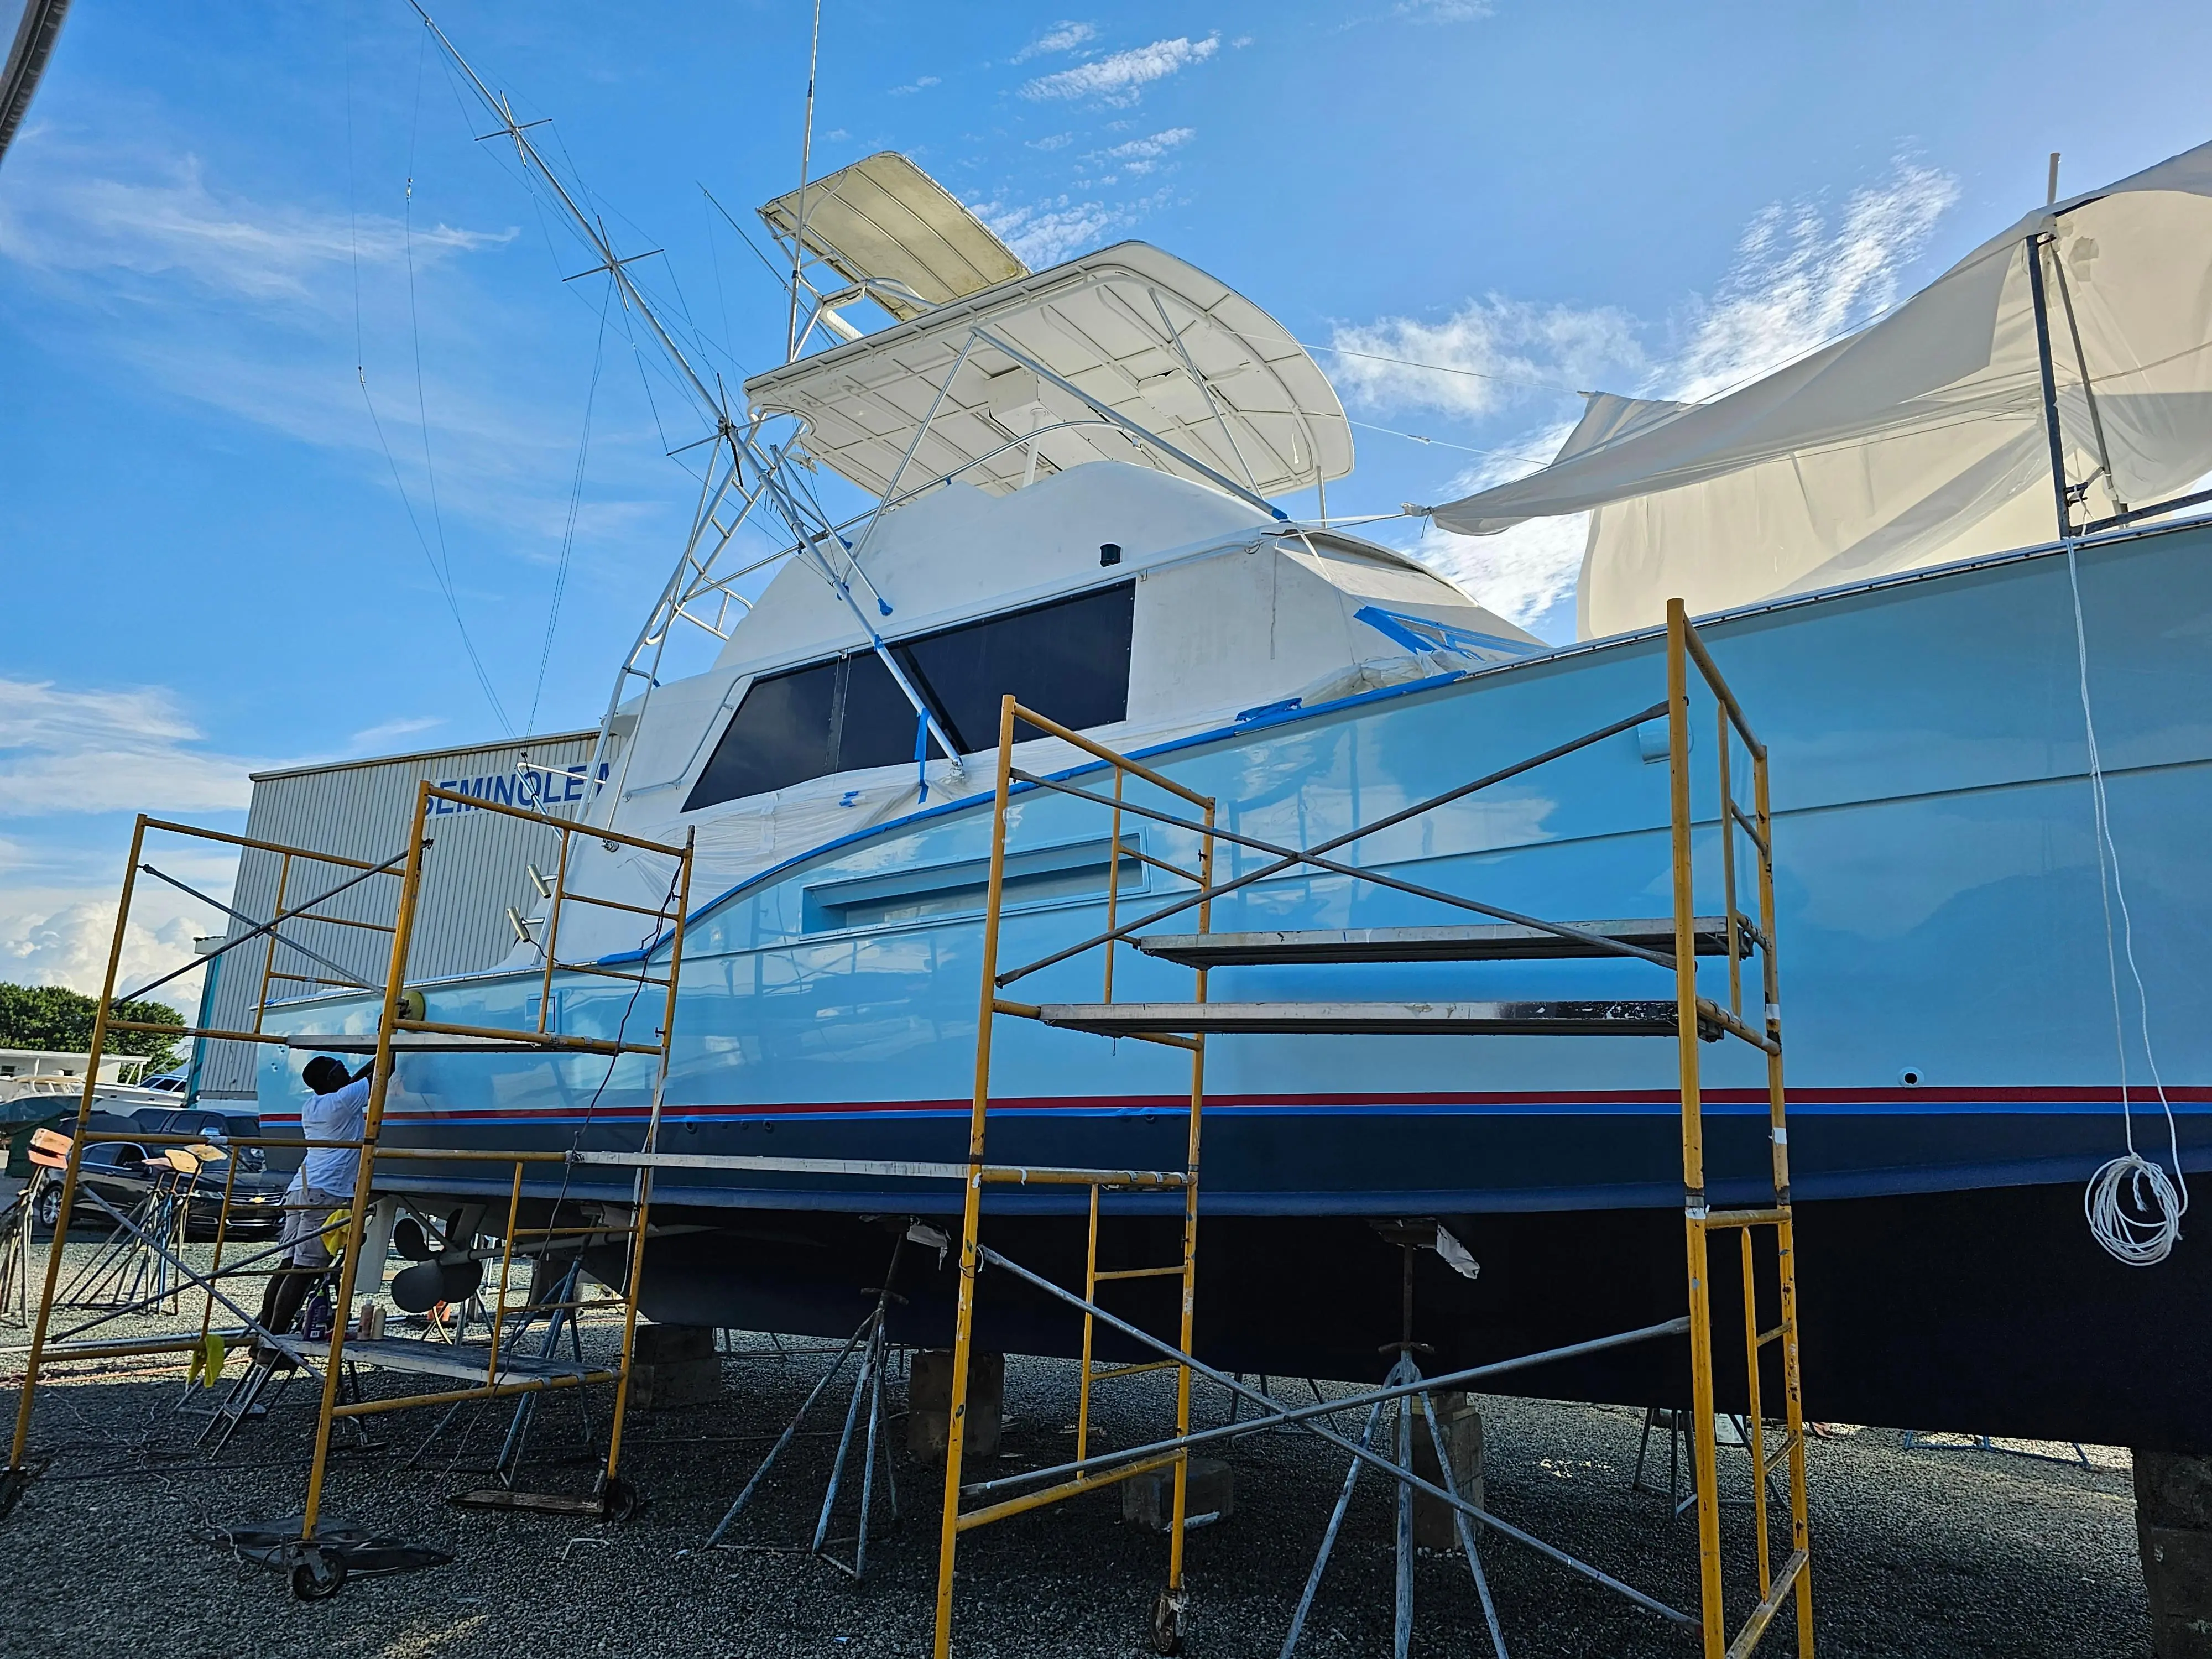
119,1171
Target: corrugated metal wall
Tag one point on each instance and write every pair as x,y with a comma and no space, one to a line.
477,868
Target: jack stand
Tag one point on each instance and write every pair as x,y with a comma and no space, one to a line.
1676,1423
15,1223
1402,1372
1923,1439
138,1264
873,1340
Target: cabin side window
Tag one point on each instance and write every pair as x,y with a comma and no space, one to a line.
780,735
1069,659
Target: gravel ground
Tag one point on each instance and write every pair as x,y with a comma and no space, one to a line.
1933,1551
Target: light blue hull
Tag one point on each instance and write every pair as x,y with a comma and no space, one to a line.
1940,917
1942,941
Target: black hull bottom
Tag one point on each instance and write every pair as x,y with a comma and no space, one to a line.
1990,1311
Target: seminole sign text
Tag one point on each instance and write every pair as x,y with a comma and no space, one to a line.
534,789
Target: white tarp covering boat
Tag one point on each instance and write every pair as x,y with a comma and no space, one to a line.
1918,440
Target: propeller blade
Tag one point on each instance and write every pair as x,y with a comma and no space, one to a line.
411,1241
419,1289
460,1280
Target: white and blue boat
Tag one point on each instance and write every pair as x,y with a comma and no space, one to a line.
1073,474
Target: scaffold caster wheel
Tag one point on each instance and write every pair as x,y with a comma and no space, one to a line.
316,1577
1166,1622
618,1501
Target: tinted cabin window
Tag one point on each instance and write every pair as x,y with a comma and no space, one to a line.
1069,659
876,725
839,716
780,736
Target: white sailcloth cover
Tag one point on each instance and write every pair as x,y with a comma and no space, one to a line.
1919,440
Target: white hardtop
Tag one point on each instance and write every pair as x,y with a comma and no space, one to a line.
1127,354
887,226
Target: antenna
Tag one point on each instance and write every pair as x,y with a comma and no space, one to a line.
740,456
2050,190
806,160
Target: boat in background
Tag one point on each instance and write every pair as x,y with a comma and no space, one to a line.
1072,472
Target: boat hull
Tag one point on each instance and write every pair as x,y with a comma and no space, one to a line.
1990,1311
1954,1068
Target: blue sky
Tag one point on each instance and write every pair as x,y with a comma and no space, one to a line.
295,450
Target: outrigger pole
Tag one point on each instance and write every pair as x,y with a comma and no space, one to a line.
740,454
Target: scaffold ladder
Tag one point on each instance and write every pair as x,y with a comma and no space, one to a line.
403,1027
1689,1017
1167,1611
1686,651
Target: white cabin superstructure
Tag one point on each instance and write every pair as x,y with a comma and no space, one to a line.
1071,472
1208,610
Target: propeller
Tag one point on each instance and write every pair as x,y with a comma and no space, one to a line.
450,1274
422,1287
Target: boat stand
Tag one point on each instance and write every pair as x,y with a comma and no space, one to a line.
1405,1373
872,1339
560,1320
1674,1423
1925,1440
15,1223
137,1266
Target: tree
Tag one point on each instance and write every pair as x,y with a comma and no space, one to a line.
54,1016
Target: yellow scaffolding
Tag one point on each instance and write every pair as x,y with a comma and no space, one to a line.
1690,1017
1169,1613
404,1026
1685,650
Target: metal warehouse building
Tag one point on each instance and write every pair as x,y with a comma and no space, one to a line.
362,809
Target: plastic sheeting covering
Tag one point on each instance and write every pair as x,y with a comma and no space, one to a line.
1919,440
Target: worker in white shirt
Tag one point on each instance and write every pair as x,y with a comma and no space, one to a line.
337,1110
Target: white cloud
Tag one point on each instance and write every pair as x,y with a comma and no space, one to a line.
917,84
1796,284
1487,354
60,216
1060,37
246,306
1443,11
1119,79
1525,572
1142,156
1047,232
68,944
1056,141
375,737
108,751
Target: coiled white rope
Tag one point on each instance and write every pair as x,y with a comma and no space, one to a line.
2133,1206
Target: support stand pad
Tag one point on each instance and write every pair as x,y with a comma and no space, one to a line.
318,1567
616,1501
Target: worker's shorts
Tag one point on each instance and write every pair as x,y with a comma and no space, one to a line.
306,1215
